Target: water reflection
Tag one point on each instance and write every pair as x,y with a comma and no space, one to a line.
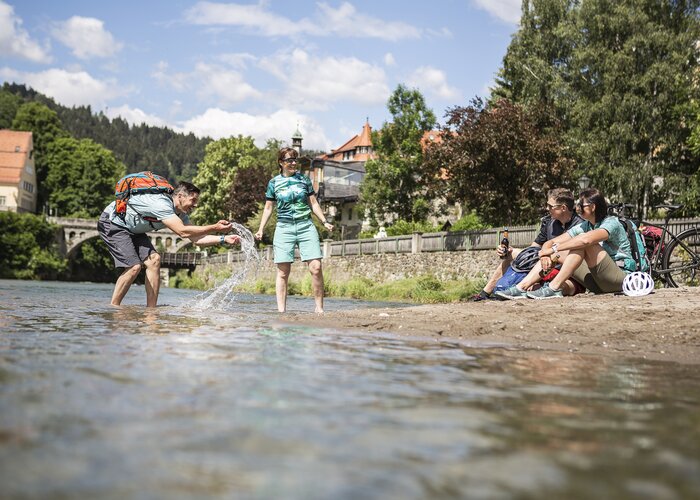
127,402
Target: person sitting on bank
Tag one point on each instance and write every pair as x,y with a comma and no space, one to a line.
131,247
596,254
560,218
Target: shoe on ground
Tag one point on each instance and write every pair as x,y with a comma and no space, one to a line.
545,293
512,293
482,295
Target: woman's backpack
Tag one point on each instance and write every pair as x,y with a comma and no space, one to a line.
637,244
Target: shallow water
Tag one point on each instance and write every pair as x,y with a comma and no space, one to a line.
100,402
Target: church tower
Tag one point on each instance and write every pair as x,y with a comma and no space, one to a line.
296,140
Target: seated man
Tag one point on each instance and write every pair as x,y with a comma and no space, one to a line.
562,217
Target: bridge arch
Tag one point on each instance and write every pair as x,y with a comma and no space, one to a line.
78,231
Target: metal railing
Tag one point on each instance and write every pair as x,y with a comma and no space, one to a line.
181,260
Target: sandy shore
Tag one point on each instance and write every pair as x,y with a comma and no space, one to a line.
664,325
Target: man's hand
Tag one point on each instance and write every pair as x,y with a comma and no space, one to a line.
259,234
232,239
546,262
223,226
502,252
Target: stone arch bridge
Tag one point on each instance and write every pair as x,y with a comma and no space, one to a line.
78,231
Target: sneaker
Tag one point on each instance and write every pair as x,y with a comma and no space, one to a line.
545,293
482,295
512,293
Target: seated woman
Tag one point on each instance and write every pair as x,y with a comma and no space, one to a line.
596,253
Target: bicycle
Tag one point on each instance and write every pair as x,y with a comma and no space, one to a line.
674,258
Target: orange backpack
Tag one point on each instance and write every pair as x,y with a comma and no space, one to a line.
139,183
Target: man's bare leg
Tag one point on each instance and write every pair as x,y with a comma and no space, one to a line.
124,283
152,283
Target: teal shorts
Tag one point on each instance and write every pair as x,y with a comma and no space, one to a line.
290,234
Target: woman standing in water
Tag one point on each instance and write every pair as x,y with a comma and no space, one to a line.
295,198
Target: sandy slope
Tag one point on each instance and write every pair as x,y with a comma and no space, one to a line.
664,325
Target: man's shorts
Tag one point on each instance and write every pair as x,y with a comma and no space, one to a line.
290,234
127,249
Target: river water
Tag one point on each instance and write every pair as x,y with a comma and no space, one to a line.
103,402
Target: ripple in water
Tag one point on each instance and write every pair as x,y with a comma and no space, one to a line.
223,295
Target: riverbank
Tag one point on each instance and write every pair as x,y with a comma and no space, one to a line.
659,326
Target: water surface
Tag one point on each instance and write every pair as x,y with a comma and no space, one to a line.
103,402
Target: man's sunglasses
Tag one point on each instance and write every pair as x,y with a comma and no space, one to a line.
552,207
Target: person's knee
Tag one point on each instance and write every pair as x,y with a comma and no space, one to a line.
315,267
133,271
153,261
282,273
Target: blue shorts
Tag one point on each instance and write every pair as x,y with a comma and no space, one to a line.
290,234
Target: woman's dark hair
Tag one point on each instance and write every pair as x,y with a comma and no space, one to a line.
186,187
592,195
285,153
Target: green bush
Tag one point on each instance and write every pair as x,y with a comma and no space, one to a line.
469,222
401,227
29,248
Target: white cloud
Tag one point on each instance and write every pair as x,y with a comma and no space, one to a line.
135,116
226,86
505,10
86,37
178,81
217,123
15,41
70,88
317,82
212,83
434,81
389,59
345,21
238,60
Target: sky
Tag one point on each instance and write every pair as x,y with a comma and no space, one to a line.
257,69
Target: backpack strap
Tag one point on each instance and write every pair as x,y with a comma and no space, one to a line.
632,237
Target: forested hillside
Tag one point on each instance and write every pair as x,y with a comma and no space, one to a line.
140,147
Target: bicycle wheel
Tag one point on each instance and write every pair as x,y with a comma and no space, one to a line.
681,260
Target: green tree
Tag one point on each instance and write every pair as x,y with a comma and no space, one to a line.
392,185
9,104
81,177
45,127
249,183
217,172
621,77
497,160
29,249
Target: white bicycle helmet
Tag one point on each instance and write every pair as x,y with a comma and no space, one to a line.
637,284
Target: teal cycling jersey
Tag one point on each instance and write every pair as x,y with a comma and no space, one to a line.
291,194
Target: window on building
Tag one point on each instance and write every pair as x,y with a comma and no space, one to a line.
339,175
349,214
28,187
2,201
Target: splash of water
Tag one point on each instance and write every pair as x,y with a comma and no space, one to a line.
222,295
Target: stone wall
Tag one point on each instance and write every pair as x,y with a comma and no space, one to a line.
472,264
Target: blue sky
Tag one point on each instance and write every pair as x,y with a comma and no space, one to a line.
257,69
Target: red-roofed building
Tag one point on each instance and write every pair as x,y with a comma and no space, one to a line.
337,176
18,187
